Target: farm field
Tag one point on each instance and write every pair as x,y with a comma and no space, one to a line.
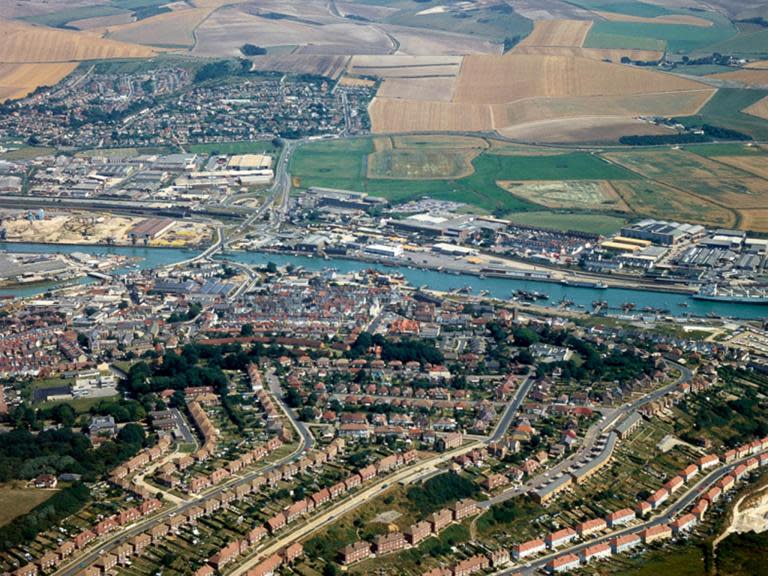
759,109
402,66
171,29
582,222
611,54
16,499
25,44
726,107
329,66
676,38
18,80
751,78
567,33
684,19
580,194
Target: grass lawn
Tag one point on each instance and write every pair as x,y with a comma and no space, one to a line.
16,500
582,222
80,405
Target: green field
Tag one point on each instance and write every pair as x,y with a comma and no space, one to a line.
344,164
715,150
750,43
631,8
646,36
725,109
582,222
60,18
496,23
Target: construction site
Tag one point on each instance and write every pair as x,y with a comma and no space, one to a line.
100,228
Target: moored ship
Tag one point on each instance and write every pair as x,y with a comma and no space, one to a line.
715,293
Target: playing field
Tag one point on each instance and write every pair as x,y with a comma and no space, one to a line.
580,194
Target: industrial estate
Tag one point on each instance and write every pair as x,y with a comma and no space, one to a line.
383,287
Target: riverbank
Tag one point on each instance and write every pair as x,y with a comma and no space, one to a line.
580,298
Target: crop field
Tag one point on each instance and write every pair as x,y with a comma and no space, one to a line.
759,65
421,164
496,80
664,104
174,29
751,78
752,43
422,42
18,80
759,109
674,37
568,33
27,44
227,29
612,54
438,89
725,109
734,184
400,66
395,115
329,66
16,500
684,19
581,194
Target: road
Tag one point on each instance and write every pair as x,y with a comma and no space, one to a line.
76,565
511,410
692,494
274,387
597,431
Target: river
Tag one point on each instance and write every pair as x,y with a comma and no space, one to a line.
496,287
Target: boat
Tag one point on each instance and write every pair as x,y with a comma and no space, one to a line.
597,285
715,293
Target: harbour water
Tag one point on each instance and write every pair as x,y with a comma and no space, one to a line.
676,304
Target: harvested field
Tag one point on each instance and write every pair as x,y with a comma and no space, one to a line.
399,66
391,115
751,78
425,42
101,22
501,79
759,109
23,43
665,104
436,141
674,165
759,65
357,82
581,194
414,89
18,80
423,164
557,33
754,164
168,29
755,220
684,19
226,30
594,129
328,66
659,201
367,11
549,10
15,500
613,54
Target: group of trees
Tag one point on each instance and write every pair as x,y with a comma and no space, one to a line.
406,350
709,134
193,311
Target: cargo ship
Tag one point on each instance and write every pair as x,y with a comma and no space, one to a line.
715,293
584,284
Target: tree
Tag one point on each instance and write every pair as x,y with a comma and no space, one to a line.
246,330
330,569
132,434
